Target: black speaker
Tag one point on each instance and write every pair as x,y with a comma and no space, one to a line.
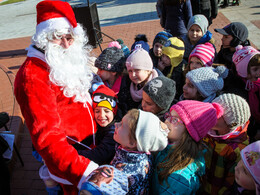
87,15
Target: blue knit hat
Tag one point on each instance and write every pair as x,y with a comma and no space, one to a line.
162,37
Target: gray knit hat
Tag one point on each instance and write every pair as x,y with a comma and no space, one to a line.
236,109
200,20
111,59
150,135
208,80
162,91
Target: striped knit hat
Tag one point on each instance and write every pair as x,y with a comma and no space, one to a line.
205,52
241,58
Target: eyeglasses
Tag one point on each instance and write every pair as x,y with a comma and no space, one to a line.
173,119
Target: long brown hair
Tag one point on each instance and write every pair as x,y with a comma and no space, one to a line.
179,157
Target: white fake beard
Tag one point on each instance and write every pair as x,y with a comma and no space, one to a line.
69,70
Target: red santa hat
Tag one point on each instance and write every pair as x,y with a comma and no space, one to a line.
55,15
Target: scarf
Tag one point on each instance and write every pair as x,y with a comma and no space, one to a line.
116,86
137,94
253,89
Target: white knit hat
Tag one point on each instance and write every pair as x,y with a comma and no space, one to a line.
139,59
149,134
236,109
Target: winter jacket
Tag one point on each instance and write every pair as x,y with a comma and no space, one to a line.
50,117
104,151
185,181
137,166
175,18
176,75
207,37
223,156
208,8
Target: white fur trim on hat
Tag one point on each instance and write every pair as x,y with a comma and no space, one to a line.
53,24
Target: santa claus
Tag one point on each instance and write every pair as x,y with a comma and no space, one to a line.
52,89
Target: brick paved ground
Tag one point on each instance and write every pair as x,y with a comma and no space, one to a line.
25,180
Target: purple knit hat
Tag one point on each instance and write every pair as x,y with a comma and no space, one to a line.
241,58
198,117
205,52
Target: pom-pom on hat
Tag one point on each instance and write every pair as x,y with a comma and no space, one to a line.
150,136
208,80
111,59
251,158
140,42
139,59
174,49
114,44
162,37
105,97
198,117
235,29
241,58
55,15
205,52
162,91
124,47
201,21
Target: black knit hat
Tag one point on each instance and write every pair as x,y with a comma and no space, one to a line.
162,37
111,59
162,91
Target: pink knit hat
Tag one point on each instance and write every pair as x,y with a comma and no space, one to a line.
139,59
205,52
198,117
241,58
251,158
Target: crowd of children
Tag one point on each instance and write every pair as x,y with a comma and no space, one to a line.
172,121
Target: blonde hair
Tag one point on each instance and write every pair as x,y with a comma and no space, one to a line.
179,157
133,116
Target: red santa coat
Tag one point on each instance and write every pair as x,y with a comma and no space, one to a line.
50,117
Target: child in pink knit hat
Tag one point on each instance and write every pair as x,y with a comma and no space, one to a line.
140,71
245,82
201,56
181,164
247,170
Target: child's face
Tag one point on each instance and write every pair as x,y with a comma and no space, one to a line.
138,76
122,134
175,125
195,63
103,116
226,40
254,73
190,92
157,49
243,176
148,104
221,127
195,33
105,75
166,60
